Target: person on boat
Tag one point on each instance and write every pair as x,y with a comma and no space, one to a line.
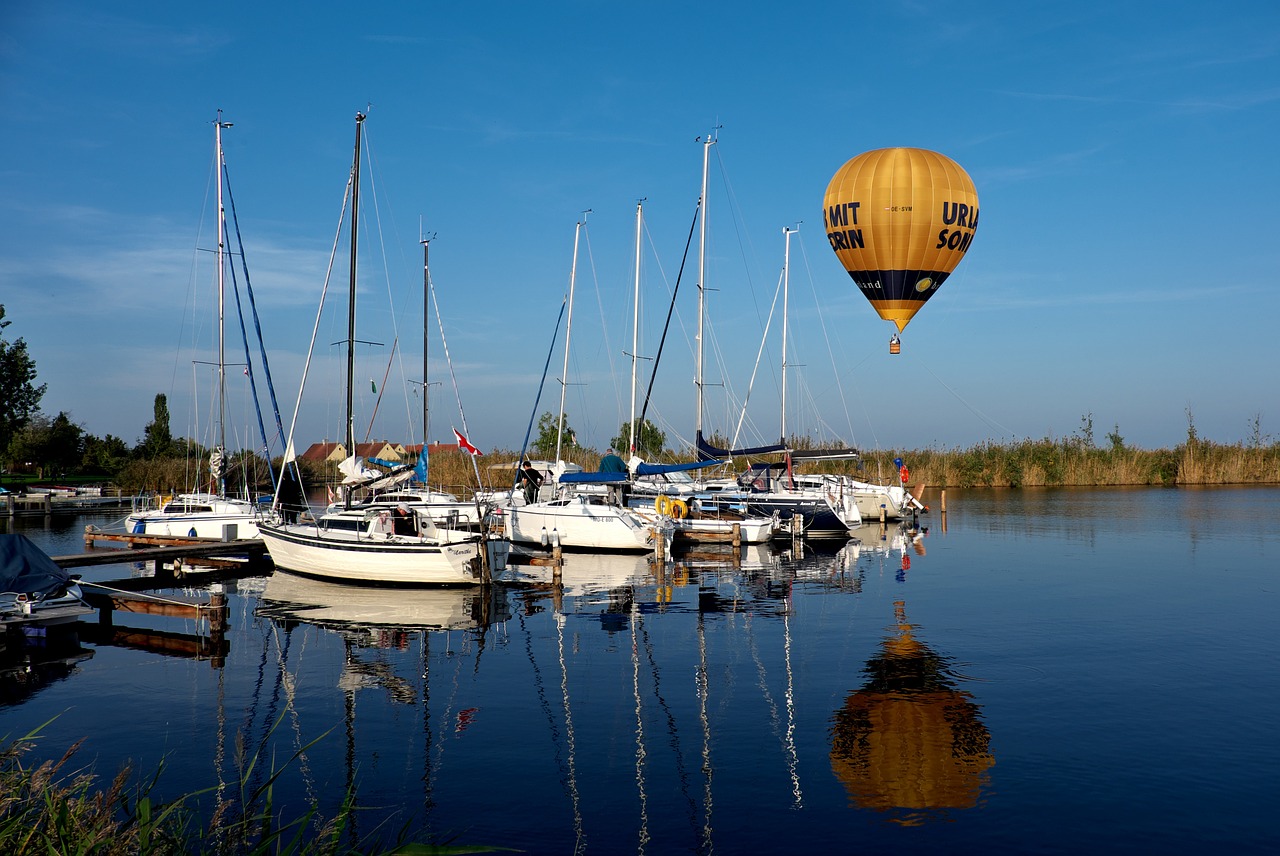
530,480
611,463
403,520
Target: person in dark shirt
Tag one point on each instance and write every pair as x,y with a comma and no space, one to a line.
611,463
530,480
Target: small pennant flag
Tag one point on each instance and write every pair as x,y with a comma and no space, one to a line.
464,444
372,384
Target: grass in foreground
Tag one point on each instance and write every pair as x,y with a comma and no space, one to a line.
53,808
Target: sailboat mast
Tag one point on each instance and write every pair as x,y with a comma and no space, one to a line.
568,329
707,143
635,327
786,268
351,297
426,297
220,480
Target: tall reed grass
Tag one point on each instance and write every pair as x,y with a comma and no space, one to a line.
50,808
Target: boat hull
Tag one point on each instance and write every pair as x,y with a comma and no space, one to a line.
381,560
752,530
197,516
581,526
815,517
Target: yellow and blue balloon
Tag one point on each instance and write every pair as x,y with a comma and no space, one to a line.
900,220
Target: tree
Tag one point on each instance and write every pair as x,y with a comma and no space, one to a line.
649,440
53,446
105,456
548,435
19,396
157,441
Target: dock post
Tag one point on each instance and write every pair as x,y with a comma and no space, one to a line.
942,498
882,514
737,535
8,503
48,504
217,613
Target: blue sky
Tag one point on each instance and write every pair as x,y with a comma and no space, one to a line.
1124,156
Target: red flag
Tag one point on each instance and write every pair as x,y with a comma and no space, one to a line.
465,445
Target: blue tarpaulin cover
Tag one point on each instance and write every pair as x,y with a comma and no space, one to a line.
26,569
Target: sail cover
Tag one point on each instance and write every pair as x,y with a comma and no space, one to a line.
26,569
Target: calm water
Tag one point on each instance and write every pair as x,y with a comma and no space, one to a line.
1055,671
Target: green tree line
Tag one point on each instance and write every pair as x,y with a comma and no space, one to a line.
37,446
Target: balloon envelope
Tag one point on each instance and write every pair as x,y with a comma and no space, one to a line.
900,220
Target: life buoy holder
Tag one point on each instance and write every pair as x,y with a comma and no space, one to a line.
678,509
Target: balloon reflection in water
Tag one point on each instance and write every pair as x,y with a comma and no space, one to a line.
909,742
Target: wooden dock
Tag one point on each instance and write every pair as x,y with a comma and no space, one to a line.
15,504
177,562
172,556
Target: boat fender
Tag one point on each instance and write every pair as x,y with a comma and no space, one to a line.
679,510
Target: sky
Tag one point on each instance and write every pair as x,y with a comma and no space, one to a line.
1122,273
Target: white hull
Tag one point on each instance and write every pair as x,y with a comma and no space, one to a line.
197,515
578,523
897,501
752,530
382,559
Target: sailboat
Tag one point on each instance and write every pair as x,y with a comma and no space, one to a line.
372,544
651,487
588,510
870,500
444,509
211,513
765,489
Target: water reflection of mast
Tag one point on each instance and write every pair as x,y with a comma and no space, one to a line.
580,837
641,754
702,688
793,760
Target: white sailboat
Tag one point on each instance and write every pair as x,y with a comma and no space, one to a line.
211,513
765,490
585,513
442,508
374,544
651,490
857,500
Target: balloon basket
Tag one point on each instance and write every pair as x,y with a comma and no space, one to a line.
895,347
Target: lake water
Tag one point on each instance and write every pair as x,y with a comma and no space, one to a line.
1056,671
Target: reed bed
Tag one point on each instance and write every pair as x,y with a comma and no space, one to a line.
53,808
1027,463
1048,462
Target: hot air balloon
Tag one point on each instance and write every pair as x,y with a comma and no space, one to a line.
900,220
